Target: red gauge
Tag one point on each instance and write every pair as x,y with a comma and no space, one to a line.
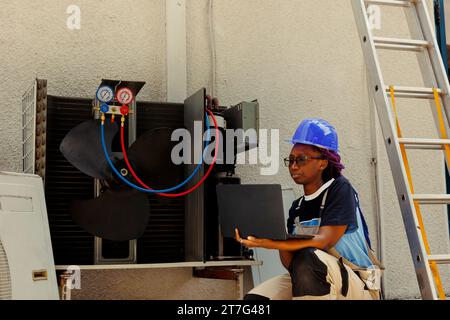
124,96
124,110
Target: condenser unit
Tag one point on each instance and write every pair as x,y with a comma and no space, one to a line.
61,144
27,269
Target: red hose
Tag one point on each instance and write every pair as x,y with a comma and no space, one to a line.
172,195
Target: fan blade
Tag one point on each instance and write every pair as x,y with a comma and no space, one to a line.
150,155
83,149
115,215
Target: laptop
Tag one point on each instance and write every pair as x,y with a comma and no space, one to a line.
255,209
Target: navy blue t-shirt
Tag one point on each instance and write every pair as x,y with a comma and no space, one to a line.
340,207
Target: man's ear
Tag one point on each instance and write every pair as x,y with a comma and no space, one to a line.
324,164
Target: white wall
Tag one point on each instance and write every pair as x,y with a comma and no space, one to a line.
303,59
300,58
116,40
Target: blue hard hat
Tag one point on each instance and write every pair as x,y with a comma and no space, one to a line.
316,132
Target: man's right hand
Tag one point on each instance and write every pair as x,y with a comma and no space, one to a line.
212,103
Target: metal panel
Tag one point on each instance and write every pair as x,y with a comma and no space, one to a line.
194,108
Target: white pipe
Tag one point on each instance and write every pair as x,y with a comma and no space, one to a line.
376,175
212,40
176,50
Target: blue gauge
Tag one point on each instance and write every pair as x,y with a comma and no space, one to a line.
105,94
104,108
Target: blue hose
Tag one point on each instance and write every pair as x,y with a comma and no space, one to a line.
105,151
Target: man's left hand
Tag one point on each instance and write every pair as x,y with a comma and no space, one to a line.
253,242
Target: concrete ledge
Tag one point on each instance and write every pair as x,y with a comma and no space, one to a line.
165,265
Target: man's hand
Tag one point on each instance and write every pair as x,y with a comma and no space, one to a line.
327,237
252,242
212,103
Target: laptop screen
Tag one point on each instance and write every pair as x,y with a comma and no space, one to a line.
255,210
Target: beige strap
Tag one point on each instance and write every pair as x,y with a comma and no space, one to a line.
336,254
353,266
374,259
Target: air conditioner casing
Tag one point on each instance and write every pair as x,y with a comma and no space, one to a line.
29,270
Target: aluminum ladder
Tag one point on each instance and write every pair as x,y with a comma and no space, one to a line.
419,23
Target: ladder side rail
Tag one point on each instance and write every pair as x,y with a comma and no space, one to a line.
422,18
417,248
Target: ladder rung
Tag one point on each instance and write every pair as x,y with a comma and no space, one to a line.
417,143
393,3
398,47
432,198
440,259
413,92
401,44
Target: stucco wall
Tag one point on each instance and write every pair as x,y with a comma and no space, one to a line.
116,40
298,58
153,284
303,59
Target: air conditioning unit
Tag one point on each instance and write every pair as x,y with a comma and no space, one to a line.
46,120
78,186
27,269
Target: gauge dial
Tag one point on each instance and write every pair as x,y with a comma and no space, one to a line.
124,96
105,94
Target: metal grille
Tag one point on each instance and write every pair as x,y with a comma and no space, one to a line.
5,277
64,183
41,127
163,240
28,129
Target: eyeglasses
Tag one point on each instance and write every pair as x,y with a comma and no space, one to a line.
300,161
